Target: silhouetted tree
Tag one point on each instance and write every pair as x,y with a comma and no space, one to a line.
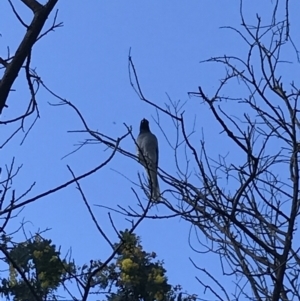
243,206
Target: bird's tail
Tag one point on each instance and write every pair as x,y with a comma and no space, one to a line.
154,186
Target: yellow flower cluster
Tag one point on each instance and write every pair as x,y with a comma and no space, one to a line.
159,296
156,276
159,279
128,268
127,264
130,279
37,254
125,278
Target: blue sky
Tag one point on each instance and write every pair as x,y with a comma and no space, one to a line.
86,62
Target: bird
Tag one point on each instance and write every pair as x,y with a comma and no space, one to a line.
147,152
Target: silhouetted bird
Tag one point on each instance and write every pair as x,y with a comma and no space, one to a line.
147,151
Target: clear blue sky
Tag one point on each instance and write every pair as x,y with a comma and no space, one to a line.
86,62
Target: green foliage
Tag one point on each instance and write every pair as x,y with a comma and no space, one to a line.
39,261
137,276
134,275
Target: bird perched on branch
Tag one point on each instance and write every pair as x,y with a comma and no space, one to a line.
147,152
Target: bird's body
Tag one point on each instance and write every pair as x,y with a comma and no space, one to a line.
147,151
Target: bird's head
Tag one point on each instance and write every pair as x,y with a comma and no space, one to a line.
144,127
